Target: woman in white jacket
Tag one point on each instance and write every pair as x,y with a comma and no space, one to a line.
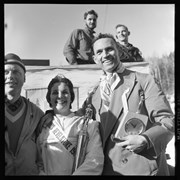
58,139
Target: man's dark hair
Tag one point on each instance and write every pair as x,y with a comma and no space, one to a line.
101,36
90,12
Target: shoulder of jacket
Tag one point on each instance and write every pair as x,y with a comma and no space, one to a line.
47,115
144,78
141,76
33,106
136,49
46,118
76,31
132,46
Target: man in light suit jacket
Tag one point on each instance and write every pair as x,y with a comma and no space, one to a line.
136,121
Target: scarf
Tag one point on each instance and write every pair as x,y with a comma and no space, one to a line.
108,82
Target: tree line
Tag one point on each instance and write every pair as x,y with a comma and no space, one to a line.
163,70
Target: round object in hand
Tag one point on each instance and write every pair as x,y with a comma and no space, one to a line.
134,126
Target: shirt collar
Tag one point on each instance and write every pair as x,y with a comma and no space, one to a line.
14,106
89,31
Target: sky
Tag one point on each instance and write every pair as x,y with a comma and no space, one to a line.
39,31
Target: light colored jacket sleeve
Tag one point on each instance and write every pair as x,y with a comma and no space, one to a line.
94,160
160,114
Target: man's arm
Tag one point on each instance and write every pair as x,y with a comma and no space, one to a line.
136,54
70,48
94,159
160,114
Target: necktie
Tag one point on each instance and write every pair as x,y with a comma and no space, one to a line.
107,86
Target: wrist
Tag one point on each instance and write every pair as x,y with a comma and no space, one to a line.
146,140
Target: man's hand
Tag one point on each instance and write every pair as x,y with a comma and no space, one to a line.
135,143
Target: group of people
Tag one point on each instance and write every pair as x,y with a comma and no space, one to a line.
38,143
78,48
127,118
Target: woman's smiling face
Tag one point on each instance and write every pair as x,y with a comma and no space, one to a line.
60,98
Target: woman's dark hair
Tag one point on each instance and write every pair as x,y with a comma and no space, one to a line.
57,79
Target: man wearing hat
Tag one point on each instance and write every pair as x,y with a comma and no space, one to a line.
21,120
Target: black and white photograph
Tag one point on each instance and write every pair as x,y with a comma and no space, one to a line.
89,89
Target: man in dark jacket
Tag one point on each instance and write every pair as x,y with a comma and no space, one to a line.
128,52
77,49
21,120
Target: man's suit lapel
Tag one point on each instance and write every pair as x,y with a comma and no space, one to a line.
116,106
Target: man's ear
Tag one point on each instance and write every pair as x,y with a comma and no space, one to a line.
94,58
129,33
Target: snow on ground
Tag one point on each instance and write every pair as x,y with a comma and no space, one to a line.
170,150
171,145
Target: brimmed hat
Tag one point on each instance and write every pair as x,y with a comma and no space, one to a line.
14,59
